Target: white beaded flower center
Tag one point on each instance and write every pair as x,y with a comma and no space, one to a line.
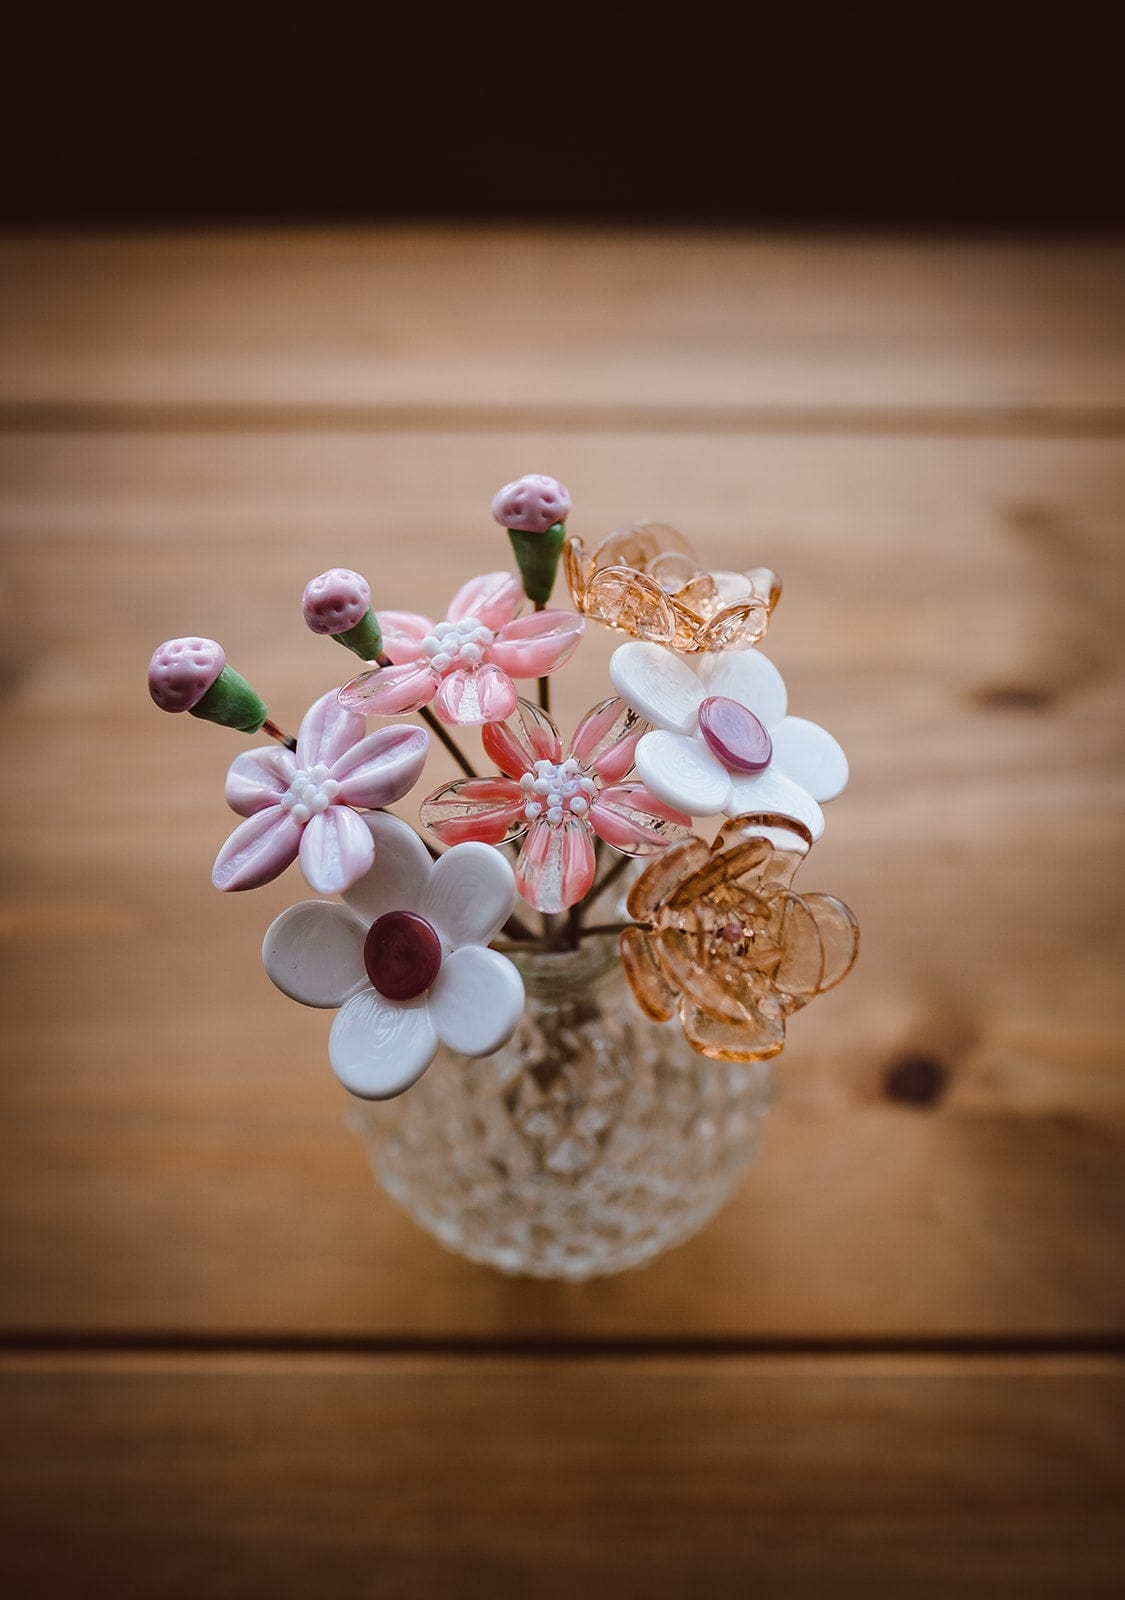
310,792
457,644
557,789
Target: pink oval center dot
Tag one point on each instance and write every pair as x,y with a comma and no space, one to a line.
402,954
734,735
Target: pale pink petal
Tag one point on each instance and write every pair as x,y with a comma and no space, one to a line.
634,821
472,695
403,632
528,737
314,952
259,778
535,645
470,894
257,851
605,740
380,1047
382,767
556,865
336,849
477,1001
488,809
493,598
810,756
398,879
327,730
389,691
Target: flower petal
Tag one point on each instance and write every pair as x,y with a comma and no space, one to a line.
471,892
327,730
493,598
477,1001
403,632
257,851
773,791
535,645
660,878
652,991
336,850
488,809
682,772
259,778
517,744
382,767
810,756
659,685
556,865
314,952
397,880
839,937
605,741
721,1040
632,820
389,691
748,677
380,1047
472,695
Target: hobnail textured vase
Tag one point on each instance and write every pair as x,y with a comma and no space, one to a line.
591,1142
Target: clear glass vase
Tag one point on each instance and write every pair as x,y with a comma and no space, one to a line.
591,1142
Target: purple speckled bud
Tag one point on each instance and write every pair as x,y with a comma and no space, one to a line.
336,602
532,504
182,670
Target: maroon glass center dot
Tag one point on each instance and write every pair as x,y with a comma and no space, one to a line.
734,735
402,954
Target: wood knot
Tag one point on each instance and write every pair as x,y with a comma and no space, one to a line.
1014,697
916,1079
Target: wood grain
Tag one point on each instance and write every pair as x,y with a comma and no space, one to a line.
408,1477
173,1147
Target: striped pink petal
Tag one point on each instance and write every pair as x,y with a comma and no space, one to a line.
472,695
259,778
403,632
632,819
493,598
556,865
605,741
487,809
327,730
389,691
528,737
257,851
382,767
535,645
336,850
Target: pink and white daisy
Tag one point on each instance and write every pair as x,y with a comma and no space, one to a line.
404,958
302,804
560,802
465,664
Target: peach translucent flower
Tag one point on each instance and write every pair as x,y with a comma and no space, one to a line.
647,581
730,947
465,664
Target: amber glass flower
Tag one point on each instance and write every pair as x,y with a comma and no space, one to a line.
729,945
646,581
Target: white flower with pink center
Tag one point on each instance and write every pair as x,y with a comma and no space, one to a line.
559,801
721,738
466,664
404,958
302,804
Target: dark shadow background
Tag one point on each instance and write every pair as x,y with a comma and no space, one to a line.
976,119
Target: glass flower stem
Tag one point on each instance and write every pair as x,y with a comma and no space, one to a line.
451,745
609,927
544,683
287,739
608,877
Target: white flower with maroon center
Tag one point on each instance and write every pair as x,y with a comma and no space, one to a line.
721,739
404,957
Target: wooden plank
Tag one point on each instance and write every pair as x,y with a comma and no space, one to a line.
172,1147
534,319
412,1476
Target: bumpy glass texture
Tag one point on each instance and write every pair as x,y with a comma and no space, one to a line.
646,581
590,1143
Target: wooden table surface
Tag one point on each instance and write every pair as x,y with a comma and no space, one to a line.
893,1365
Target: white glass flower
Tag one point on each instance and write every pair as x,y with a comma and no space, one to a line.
721,739
405,959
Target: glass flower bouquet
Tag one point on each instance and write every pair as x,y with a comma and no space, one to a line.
560,1129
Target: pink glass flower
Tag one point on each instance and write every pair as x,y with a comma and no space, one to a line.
301,804
465,664
560,802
